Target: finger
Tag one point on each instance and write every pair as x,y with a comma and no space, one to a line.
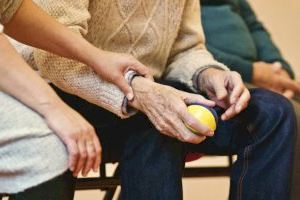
187,135
192,122
82,157
91,157
229,113
242,101
98,154
238,88
191,99
73,154
140,69
125,88
289,84
288,94
220,90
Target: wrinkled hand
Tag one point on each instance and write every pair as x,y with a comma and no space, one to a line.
78,135
166,108
113,66
227,89
273,77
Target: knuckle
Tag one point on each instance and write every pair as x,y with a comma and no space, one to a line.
186,138
74,153
98,151
83,154
92,155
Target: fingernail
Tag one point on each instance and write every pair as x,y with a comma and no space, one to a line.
211,133
129,96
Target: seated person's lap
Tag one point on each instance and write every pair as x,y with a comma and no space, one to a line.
230,137
20,129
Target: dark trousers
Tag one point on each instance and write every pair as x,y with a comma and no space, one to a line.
151,164
59,188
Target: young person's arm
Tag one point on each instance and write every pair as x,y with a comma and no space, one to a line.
21,82
32,26
88,81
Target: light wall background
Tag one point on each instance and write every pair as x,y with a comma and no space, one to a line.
282,19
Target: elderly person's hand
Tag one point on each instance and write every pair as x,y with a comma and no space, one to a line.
271,76
77,134
227,89
166,108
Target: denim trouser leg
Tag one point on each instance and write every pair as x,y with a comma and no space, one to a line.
295,194
263,138
151,167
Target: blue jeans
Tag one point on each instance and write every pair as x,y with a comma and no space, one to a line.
151,164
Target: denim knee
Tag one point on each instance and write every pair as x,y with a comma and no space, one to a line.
273,104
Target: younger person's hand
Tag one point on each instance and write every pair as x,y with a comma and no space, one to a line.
77,134
112,67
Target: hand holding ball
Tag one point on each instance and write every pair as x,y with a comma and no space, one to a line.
205,116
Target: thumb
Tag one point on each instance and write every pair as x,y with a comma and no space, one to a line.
125,88
288,94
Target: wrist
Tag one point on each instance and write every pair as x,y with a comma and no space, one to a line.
204,74
140,86
48,107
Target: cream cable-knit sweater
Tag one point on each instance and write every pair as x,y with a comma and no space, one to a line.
8,9
165,35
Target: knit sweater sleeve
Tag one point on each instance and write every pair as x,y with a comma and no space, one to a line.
266,49
72,76
189,54
8,9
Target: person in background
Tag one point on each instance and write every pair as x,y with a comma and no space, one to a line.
151,144
236,37
38,131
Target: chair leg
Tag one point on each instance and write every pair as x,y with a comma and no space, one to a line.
230,161
109,193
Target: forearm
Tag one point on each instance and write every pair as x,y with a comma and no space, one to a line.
32,26
78,79
21,82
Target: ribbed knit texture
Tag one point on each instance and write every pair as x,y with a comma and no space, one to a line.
30,153
8,9
165,35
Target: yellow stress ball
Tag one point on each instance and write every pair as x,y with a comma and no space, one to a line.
204,115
